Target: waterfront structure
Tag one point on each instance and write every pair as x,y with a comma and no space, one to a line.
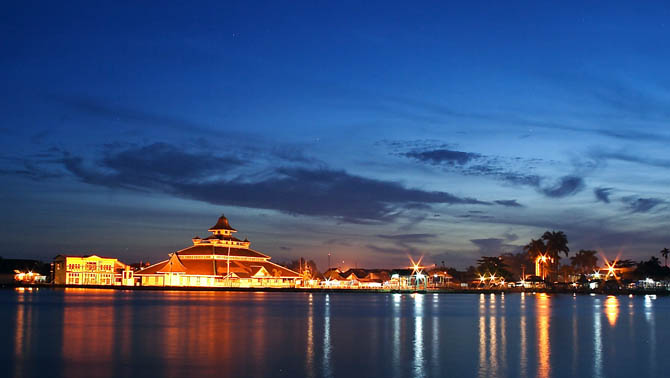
219,260
356,278
91,270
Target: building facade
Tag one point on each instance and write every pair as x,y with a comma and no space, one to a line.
91,270
219,260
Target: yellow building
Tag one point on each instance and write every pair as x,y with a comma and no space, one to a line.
91,270
220,260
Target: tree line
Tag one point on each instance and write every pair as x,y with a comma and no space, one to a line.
551,247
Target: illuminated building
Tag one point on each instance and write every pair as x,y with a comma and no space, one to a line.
220,260
91,270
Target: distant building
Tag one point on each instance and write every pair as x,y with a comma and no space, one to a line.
220,260
22,270
91,270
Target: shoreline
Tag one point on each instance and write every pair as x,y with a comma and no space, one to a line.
661,292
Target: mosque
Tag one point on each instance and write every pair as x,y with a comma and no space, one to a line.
219,260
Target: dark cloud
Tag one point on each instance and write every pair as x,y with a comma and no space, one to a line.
602,194
508,203
515,171
641,205
202,177
494,246
443,156
388,250
155,166
409,238
510,236
566,186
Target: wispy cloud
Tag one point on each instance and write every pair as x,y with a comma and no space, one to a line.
508,203
641,205
566,186
409,238
602,194
475,164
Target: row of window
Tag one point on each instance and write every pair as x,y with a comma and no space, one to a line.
91,266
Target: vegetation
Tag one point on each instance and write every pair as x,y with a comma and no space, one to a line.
493,266
664,253
584,261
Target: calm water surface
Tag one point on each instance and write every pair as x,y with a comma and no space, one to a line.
107,333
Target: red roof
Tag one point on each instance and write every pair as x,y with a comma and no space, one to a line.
242,269
222,251
222,224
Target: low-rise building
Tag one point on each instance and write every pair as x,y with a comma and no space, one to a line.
91,270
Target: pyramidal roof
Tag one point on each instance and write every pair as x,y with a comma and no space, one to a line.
173,265
222,224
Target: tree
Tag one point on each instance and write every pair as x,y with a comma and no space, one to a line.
585,261
665,253
303,266
556,242
493,266
518,263
535,248
651,269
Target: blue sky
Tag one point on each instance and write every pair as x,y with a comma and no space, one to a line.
370,131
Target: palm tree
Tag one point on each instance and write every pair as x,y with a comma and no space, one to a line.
665,252
535,248
585,260
556,242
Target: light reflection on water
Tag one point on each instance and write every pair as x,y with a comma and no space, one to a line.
100,333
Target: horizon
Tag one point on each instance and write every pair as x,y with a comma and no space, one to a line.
372,132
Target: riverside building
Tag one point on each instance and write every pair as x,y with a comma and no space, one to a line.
219,260
91,270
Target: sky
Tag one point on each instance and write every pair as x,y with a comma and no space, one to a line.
372,131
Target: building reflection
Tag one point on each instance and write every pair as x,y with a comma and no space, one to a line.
397,299
597,340
23,325
523,360
492,336
88,331
327,369
651,324
483,365
543,347
309,358
419,368
612,309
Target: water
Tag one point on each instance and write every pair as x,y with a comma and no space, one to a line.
107,333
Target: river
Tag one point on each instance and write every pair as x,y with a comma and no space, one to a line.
113,333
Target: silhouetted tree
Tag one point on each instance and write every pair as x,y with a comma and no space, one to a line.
585,261
556,242
493,265
665,253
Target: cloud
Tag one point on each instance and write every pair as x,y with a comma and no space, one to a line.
118,113
494,246
510,236
515,171
388,250
566,186
508,203
205,177
602,194
409,238
443,156
154,166
641,205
